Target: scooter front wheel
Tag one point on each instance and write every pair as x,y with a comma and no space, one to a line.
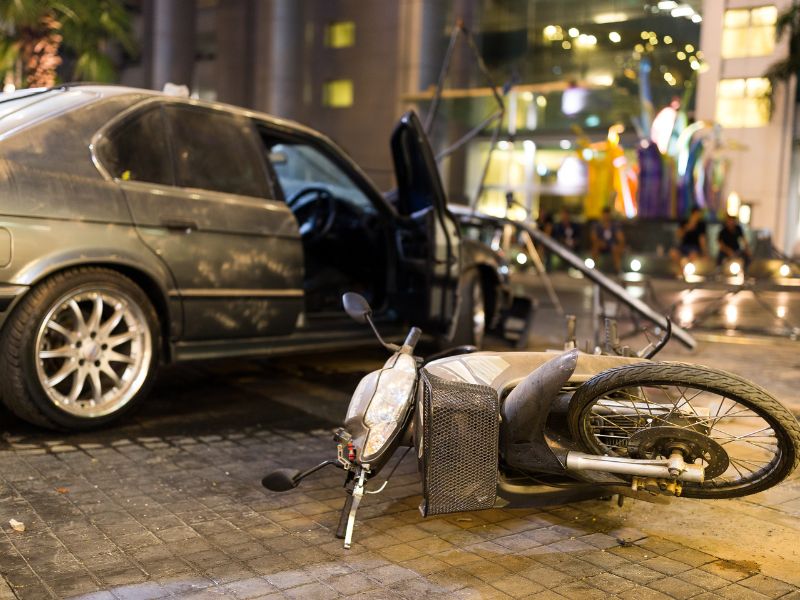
745,438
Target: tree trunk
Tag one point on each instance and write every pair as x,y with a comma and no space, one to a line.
39,47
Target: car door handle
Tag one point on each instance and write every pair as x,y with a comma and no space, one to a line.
179,225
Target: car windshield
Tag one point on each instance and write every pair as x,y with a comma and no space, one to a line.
299,166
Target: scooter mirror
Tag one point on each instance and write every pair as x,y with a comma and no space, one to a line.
281,480
357,307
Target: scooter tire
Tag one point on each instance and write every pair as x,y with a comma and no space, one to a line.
728,385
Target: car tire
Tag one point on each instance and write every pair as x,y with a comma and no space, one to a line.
470,325
80,350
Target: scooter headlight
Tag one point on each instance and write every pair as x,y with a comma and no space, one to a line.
389,404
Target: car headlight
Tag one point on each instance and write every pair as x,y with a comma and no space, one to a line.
389,404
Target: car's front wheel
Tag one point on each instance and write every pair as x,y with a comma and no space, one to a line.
80,350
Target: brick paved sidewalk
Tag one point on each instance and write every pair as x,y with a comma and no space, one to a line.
164,515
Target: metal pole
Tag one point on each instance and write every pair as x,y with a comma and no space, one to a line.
597,313
610,286
542,272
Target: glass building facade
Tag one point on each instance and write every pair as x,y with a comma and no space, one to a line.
572,70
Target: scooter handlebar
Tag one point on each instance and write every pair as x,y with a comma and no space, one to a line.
413,337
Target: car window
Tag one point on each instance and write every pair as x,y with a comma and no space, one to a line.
138,150
299,166
215,151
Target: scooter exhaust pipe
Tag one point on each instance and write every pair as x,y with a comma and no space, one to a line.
673,467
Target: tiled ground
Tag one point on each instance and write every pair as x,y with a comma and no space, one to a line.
169,504
148,510
156,516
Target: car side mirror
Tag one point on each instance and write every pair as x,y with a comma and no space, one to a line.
357,307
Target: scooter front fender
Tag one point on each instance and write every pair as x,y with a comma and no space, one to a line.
524,416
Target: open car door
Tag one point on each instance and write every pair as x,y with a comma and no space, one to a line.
428,236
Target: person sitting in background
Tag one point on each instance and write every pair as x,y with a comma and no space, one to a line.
691,236
607,238
565,231
545,222
732,243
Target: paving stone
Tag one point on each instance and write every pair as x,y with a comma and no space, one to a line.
546,595
675,587
703,579
665,565
102,595
354,583
739,592
546,576
729,570
637,573
288,579
690,556
609,582
312,591
643,593
252,587
143,591
604,560
453,579
182,514
517,586
768,586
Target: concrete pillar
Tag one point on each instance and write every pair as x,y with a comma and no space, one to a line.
279,42
462,67
173,42
234,30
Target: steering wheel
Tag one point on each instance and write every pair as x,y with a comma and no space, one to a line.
315,215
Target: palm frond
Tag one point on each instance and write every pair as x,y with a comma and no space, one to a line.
85,27
94,66
786,21
9,53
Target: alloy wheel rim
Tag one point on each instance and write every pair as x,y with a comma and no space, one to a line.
93,352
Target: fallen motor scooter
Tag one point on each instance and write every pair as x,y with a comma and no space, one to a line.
525,428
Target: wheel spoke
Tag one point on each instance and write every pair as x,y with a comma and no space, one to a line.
81,322
77,385
60,375
97,313
70,335
723,415
742,437
114,320
62,352
118,340
97,388
112,356
111,373
733,464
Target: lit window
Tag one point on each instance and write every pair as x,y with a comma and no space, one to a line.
340,34
338,93
749,32
743,102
